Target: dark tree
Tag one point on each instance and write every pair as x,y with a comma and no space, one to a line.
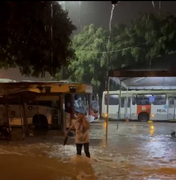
25,36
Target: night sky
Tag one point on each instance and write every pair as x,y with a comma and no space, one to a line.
98,13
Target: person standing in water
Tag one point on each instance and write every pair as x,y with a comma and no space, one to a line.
81,126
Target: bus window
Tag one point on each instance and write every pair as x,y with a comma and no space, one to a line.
160,99
75,97
134,99
81,103
113,99
43,103
51,104
143,99
171,102
68,100
13,113
93,97
123,102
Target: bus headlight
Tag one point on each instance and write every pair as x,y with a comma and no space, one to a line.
106,114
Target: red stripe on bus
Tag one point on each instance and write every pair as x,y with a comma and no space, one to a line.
143,108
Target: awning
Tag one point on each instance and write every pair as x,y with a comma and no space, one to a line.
159,73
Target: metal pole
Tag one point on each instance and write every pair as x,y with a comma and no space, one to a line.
38,116
127,105
7,110
119,106
63,118
107,110
22,124
25,120
174,108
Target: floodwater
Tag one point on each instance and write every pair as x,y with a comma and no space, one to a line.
134,151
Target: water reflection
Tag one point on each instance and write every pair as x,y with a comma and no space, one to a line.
48,161
105,125
104,143
151,130
129,153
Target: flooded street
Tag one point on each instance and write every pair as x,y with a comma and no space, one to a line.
133,151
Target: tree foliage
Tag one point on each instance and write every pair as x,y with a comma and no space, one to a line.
90,65
25,36
147,37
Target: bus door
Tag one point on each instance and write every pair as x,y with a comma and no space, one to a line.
94,109
128,109
125,108
172,108
159,110
113,105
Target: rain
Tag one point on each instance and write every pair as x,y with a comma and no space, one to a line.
127,142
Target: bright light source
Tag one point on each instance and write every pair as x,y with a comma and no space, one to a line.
106,115
152,127
152,130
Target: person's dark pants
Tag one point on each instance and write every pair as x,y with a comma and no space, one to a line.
86,149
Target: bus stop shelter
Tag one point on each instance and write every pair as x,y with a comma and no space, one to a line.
159,73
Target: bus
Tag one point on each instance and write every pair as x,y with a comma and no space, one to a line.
42,113
43,106
141,105
83,103
45,111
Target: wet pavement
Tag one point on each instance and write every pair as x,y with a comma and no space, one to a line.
133,151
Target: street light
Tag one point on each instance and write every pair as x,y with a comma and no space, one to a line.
153,3
115,2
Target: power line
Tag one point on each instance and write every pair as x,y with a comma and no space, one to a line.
86,51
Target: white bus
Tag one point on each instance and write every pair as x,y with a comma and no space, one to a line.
139,106
45,111
41,113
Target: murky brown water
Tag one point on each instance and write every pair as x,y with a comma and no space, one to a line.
132,156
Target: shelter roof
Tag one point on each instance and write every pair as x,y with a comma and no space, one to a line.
154,74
